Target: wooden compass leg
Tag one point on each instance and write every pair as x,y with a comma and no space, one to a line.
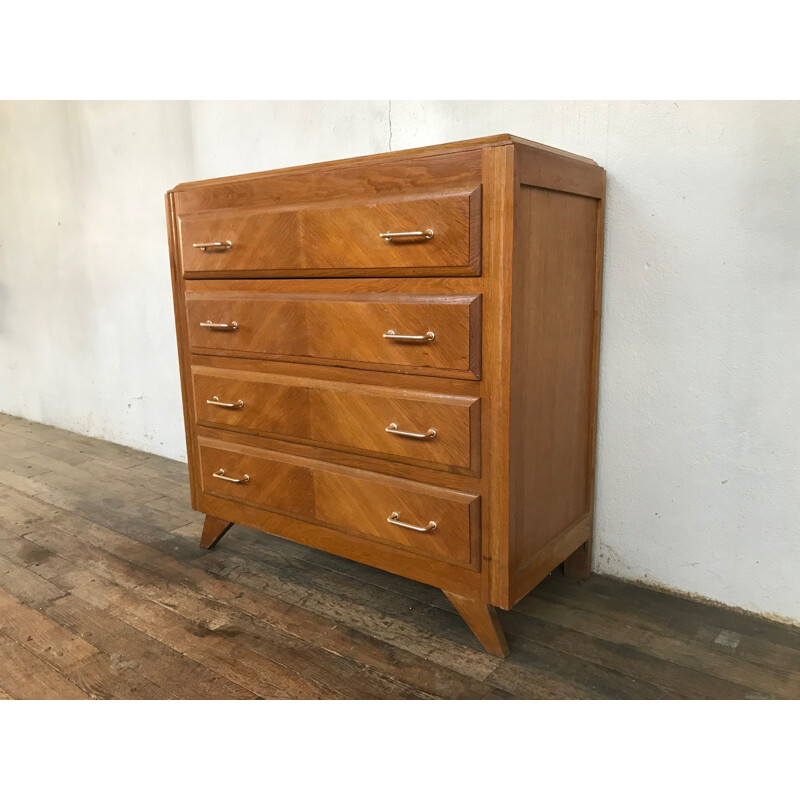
483,622
579,564
213,530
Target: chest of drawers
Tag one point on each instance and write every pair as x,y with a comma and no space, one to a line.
394,359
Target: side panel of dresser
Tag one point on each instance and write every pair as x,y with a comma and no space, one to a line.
555,326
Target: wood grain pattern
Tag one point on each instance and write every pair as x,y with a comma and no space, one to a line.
483,622
451,163
551,352
337,239
498,239
459,578
346,329
213,530
344,415
334,183
349,500
554,172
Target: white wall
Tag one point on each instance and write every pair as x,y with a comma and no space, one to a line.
699,436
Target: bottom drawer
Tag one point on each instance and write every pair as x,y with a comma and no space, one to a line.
445,522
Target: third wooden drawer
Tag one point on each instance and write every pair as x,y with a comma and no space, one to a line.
440,430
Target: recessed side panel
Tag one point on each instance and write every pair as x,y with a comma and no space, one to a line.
552,367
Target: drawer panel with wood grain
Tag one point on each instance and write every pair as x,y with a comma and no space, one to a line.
426,235
427,334
438,429
416,516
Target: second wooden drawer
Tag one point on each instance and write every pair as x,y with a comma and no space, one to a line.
430,334
387,422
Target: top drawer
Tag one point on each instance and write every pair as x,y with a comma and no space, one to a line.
442,237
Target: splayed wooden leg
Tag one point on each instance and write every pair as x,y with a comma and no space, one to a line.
483,622
213,530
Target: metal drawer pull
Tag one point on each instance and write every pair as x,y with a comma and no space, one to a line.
216,402
431,434
220,473
215,245
394,518
220,326
402,337
428,234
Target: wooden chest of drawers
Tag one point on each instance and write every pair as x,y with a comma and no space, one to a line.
394,359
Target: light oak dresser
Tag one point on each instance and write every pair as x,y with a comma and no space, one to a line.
394,359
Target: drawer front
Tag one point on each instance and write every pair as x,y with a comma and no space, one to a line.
336,240
405,333
354,501
422,426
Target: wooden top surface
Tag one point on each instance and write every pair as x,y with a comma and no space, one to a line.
467,144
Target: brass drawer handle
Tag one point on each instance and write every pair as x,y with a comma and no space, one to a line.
220,473
215,245
431,434
216,402
394,518
402,337
428,234
220,326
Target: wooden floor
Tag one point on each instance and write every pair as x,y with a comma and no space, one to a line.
106,593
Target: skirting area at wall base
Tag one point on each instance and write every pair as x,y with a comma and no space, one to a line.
699,598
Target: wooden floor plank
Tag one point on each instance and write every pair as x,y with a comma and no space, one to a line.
242,667
625,659
659,676
26,585
437,636
26,481
104,677
675,649
292,619
265,660
105,592
177,675
710,628
287,617
113,542
44,638
674,612
23,676
182,590
95,673
533,671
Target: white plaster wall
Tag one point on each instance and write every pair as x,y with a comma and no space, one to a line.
698,476
87,336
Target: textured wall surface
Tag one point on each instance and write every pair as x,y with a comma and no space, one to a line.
698,477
